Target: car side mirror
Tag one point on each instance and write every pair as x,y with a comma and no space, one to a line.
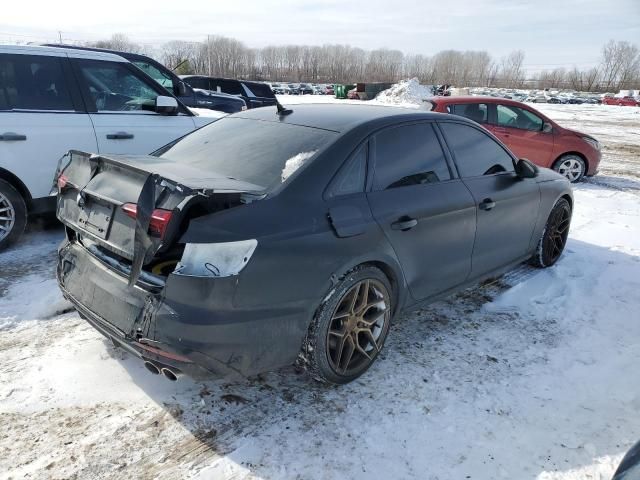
182,89
547,127
166,105
526,169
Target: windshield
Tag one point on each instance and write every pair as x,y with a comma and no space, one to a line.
259,152
161,77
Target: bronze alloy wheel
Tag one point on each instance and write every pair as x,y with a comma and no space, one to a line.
358,327
557,232
554,237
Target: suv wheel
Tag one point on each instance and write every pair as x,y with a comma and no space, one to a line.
570,166
349,328
13,214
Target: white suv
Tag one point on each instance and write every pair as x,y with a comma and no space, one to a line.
53,100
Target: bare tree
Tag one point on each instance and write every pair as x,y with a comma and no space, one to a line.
511,70
118,41
620,65
178,52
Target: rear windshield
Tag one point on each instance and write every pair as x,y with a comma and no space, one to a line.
259,152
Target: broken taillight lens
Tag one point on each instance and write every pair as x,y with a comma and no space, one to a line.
159,222
62,181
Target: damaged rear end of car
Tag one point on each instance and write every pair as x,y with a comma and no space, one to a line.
124,265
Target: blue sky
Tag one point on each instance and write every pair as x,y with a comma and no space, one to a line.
552,33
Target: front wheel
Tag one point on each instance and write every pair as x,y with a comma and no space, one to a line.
349,328
570,166
13,214
554,237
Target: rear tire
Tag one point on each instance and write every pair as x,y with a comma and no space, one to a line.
349,328
554,237
13,214
571,166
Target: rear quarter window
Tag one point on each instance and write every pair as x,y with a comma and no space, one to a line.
260,90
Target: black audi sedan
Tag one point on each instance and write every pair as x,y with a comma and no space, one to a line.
273,237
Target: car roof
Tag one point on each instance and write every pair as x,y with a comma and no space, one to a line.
476,99
338,117
80,48
60,52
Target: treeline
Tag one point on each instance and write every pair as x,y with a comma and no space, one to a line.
227,57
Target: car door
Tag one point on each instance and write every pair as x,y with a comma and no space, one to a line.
427,214
507,205
522,131
41,118
121,103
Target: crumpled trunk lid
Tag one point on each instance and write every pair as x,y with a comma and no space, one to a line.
92,189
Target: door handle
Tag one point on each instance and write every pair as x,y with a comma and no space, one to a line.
11,137
487,204
404,224
119,136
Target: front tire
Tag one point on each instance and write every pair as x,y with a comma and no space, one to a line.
13,214
349,328
554,237
571,166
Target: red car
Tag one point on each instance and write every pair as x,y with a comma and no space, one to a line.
529,134
622,101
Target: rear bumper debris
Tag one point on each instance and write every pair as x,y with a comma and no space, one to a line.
191,324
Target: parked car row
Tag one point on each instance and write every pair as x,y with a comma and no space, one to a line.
301,88
621,101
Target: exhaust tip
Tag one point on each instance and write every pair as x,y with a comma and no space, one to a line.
152,368
170,374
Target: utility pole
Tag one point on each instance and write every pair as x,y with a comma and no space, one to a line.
209,54
60,36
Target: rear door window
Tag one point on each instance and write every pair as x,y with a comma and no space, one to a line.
475,152
478,112
409,155
516,117
31,82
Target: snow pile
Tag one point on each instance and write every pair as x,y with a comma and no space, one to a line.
295,162
406,92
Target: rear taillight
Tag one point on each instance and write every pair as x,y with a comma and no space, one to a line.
159,222
62,181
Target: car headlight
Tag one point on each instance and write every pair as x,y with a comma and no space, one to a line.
215,259
593,142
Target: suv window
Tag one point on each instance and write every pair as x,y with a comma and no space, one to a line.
475,152
32,82
227,86
351,177
409,155
115,88
260,89
198,82
516,117
154,72
478,112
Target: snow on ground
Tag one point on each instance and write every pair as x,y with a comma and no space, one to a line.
530,376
